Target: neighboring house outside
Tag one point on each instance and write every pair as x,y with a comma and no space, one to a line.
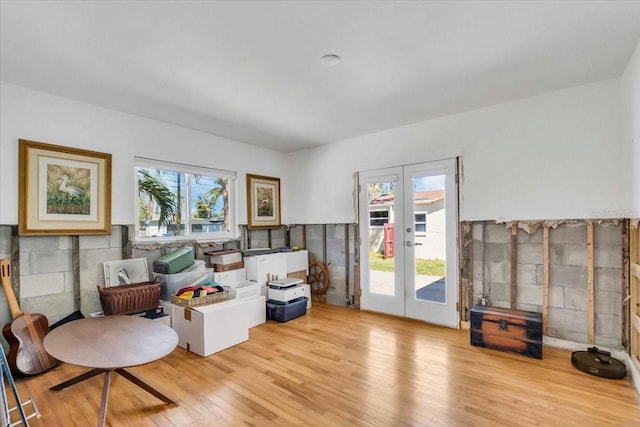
429,223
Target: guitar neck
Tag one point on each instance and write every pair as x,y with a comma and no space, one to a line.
5,272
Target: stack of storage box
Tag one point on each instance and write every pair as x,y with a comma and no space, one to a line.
266,268
229,271
225,260
204,329
287,299
251,293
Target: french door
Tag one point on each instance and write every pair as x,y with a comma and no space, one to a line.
408,235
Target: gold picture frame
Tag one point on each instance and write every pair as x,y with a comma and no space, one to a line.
63,190
263,201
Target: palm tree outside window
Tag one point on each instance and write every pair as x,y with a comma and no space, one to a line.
181,201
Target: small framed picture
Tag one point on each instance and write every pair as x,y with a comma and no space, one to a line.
125,272
263,204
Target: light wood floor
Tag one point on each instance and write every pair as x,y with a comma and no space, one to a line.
340,367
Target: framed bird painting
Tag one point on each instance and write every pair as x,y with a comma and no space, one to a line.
263,201
63,190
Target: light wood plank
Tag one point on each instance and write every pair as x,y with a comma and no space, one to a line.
635,270
635,322
545,280
636,362
591,320
343,367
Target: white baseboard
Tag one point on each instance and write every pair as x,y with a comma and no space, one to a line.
577,346
635,375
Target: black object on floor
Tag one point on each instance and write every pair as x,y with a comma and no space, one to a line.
599,363
73,316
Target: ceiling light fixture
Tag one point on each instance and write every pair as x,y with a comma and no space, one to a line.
330,60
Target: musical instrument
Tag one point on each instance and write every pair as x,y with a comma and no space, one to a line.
24,333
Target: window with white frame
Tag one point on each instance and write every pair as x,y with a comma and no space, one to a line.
420,226
378,218
176,201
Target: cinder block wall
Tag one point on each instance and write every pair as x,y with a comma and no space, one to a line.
46,281
330,245
568,290
327,244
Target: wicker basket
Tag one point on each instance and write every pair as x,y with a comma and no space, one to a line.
130,299
207,299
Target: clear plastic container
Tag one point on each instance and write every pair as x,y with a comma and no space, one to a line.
172,283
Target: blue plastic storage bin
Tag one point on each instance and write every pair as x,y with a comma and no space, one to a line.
285,311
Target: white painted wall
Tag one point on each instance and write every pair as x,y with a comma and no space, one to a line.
36,116
630,84
559,155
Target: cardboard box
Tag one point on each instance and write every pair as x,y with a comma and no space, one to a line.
257,310
268,267
298,261
229,278
228,267
265,268
230,256
208,329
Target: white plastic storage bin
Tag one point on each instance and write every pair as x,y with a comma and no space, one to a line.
244,290
171,283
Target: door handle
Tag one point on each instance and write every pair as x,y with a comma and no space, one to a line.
409,243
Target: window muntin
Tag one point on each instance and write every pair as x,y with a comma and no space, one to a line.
378,218
420,223
176,201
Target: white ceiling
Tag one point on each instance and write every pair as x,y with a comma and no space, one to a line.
251,70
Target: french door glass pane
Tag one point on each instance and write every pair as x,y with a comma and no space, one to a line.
429,208
381,238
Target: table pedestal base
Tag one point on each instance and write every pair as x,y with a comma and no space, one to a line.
124,372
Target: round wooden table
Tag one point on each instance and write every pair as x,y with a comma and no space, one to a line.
111,344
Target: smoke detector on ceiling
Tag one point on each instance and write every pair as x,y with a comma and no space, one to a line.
330,60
